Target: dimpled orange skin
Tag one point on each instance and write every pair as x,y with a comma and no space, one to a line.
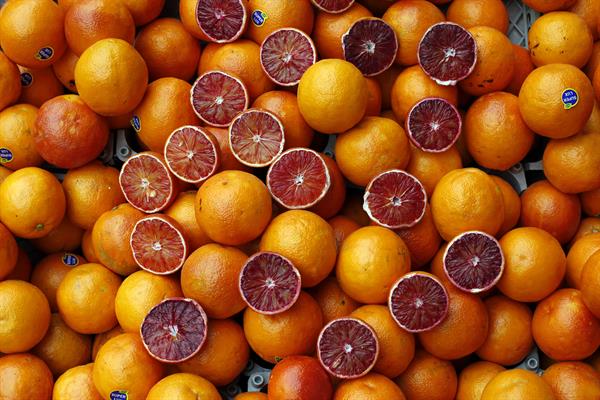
333,301
523,67
422,240
372,386
301,378
470,13
44,86
76,382
184,386
144,11
429,167
590,283
297,14
544,6
25,376
474,378
580,252
251,396
428,378
101,338
9,252
10,82
512,205
517,384
573,380
65,237
16,134
182,211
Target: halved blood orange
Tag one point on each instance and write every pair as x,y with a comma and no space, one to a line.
298,178
222,21
433,124
347,348
395,199
371,45
256,138
473,261
174,330
447,53
218,97
269,283
286,54
158,244
418,302
192,154
333,6
147,183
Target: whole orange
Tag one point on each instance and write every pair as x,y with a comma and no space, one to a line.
182,211
9,252
184,387
65,237
517,384
297,14
474,378
429,167
579,253
17,136
573,380
64,69
342,227
10,82
371,386
587,226
300,378
101,338
76,382
512,205
422,240
428,378
470,13
590,283
144,11
24,376
50,272
333,301
523,67
39,85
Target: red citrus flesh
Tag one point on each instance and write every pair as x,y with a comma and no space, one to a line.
174,330
395,199
158,245
347,348
418,302
433,125
146,182
286,54
256,138
371,45
333,6
298,178
473,261
269,283
192,154
218,97
222,21
447,53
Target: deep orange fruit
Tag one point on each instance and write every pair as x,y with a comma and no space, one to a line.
573,380
474,378
76,382
10,82
39,85
517,384
428,377
470,13
17,137
25,376
301,378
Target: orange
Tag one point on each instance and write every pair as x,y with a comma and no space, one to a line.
563,327
104,337
63,348
342,227
285,106
25,376
495,62
332,96
4,173
107,238
573,380
580,251
371,386
251,396
126,352
523,67
374,98
512,205
187,14
31,32
50,272
10,82
474,378
39,85
65,237
422,240
144,11
429,167
9,252
299,377
16,135
184,387
544,6
87,247
297,14
594,61
386,80
333,301
22,269
33,202
165,107
156,42
292,332
589,10
517,384
470,13
76,382
413,85
223,356
467,199
353,208
410,19
111,77
228,160
86,298
590,283
587,226
306,239
541,104
334,199
233,207
89,21
560,37
428,378
182,211
396,346
590,202
371,259
138,293
373,146
64,69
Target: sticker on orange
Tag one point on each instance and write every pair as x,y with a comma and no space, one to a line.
119,395
259,17
70,260
570,98
45,53
6,155
136,123
26,79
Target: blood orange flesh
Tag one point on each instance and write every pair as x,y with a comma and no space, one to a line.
371,45
192,154
433,125
395,199
222,21
174,330
418,302
269,283
286,54
146,182
473,261
218,97
447,53
256,138
347,348
333,6
158,245
298,178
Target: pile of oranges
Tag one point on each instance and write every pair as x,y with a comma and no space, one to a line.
73,296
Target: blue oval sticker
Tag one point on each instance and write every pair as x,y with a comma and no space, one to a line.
70,259
259,17
45,53
118,395
136,123
26,79
6,155
570,98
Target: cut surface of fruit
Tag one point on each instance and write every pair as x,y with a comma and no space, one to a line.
269,283
371,45
174,330
218,97
286,54
192,154
256,138
473,261
433,125
418,302
347,348
222,21
447,53
146,182
395,199
298,178
333,6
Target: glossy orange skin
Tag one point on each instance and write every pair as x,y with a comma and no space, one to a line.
579,253
428,378
474,378
333,301
590,283
523,67
590,201
65,237
10,82
429,168
44,86
17,135
469,13
301,378
77,382
25,376
9,252
422,240
573,380
297,14
342,227
512,205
